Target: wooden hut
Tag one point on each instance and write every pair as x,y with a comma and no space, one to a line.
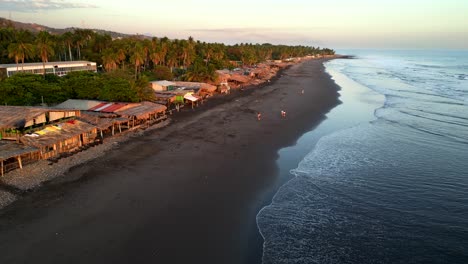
237,80
62,137
14,155
15,120
162,85
106,123
203,89
144,113
165,98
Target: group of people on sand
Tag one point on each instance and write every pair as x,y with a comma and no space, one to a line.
283,113
259,115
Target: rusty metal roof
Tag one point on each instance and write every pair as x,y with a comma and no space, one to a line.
107,107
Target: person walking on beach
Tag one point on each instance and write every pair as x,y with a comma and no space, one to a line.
259,116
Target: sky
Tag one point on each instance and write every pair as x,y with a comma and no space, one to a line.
337,24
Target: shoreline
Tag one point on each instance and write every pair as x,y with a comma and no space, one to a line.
165,187
338,119
29,179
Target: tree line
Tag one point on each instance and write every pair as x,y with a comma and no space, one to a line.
133,59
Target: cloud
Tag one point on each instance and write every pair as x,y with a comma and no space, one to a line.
37,5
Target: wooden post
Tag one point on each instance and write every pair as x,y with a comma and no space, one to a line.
102,136
120,128
112,128
19,162
2,168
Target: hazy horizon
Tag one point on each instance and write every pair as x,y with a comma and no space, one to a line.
336,24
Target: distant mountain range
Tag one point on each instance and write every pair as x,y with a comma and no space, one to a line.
33,27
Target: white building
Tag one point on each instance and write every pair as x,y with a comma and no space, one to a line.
162,85
59,68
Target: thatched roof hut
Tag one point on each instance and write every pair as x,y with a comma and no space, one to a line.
197,85
10,149
223,76
239,78
142,110
14,155
57,133
20,116
101,120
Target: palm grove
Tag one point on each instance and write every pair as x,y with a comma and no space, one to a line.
126,64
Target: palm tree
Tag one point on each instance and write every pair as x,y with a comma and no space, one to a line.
27,53
138,57
155,54
22,47
20,51
165,42
44,48
171,58
208,53
146,52
82,36
68,39
109,58
101,42
14,51
200,72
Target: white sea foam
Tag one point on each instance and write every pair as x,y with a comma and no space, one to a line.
379,182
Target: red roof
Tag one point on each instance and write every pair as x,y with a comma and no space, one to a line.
107,107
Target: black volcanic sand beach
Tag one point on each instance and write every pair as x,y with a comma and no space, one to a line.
187,193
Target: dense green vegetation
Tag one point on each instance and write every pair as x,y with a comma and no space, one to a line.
125,65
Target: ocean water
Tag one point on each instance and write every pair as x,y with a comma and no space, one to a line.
385,178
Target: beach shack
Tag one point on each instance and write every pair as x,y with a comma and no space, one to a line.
62,137
165,98
192,99
15,155
237,80
143,114
162,85
106,123
202,89
98,113
108,112
185,96
17,120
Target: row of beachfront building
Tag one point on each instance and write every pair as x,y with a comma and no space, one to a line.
30,134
